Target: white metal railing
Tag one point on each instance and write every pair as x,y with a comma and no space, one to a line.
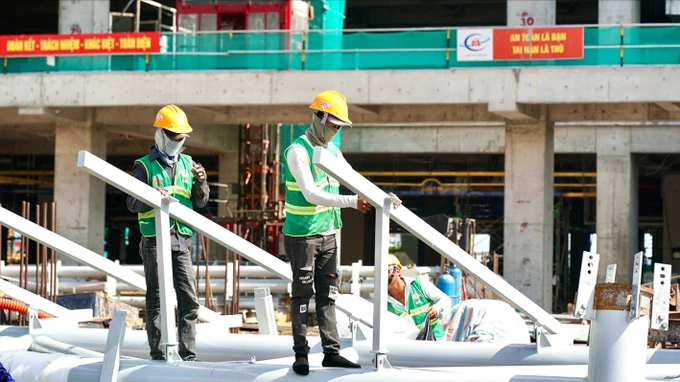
166,207
130,185
415,225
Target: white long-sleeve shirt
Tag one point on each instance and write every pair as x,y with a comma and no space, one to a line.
442,302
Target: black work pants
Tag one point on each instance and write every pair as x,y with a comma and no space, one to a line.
313,260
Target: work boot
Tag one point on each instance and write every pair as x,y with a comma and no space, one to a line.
336,360
301,365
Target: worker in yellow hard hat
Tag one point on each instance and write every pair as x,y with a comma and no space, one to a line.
172,173
312,206
416,299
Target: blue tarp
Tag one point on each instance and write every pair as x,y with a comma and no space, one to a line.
4,375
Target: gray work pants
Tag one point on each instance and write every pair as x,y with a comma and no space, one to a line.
187,301
313,260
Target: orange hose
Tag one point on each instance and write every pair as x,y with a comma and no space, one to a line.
20,307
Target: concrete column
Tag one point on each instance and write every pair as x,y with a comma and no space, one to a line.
528,220
80,197
84,16
618,12
528,13
228,174
617,202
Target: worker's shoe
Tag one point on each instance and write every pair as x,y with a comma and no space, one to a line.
336,360
301,364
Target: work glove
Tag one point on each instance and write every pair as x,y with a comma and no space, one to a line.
199,172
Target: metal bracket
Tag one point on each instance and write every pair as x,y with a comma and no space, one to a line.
546,340
33,322
611,274
635,295
114,345
264,309
381,362
662,296
586,286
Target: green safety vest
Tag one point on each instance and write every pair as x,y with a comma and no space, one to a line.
157,177
417,306
304,218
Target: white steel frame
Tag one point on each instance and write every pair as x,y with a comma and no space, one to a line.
83,255
356,182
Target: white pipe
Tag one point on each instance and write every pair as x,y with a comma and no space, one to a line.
247,286
431,237
243,302
217,346
617,347
48,345
212,343
617,341
31,366
216,271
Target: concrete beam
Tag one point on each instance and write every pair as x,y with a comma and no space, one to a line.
597,85
633,112
423,139
515,111
302,114
363,109
532,85
569,139
71,114
24,132
9,116
216,139
669,106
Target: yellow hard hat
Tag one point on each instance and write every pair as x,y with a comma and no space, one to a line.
392,260
173,119
333,103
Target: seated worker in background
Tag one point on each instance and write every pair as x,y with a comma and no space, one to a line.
417,299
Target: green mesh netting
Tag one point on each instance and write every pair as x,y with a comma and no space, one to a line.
649,45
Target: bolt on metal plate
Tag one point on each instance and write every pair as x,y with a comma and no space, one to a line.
586,285
662,296
611,274
635,295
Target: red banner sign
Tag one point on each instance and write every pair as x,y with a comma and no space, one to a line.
538,43
79,44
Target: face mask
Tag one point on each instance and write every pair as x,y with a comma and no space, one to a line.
322,134
166,145
172,147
